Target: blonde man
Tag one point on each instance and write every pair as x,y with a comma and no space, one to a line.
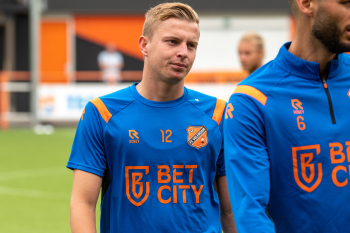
251,51
155,147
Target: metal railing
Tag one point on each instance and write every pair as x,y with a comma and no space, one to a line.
19,82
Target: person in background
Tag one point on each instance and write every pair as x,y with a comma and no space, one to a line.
110,62
251,51
156,147
286,130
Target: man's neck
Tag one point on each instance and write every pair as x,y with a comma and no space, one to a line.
254,69
157,90
308,48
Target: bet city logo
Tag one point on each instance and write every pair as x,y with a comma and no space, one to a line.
308,175
138,188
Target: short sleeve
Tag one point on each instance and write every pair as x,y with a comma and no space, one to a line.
88,153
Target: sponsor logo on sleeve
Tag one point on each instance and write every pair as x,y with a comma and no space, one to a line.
228,112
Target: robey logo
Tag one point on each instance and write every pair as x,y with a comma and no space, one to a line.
228,112
134,136
171,180
299,110
297,106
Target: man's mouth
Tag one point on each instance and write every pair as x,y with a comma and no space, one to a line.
179,65
348,30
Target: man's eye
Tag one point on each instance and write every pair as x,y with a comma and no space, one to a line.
172,41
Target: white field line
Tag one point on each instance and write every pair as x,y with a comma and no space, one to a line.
23,174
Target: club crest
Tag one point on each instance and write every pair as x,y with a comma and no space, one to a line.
197,136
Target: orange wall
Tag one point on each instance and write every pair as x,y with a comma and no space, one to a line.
124,31
53,51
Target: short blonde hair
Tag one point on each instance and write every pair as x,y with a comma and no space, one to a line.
165,11
255,38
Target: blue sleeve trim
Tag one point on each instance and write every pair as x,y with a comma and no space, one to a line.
223,173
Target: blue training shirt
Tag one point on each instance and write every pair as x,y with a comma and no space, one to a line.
158,160
287,147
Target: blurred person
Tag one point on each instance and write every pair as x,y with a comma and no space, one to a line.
110,62
251,51
287,130
155,147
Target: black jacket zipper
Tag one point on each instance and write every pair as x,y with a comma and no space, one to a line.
329,100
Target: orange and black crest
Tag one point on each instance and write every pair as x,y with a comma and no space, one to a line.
197,136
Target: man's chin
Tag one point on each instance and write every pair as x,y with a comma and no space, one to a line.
343,47
346,45
175,79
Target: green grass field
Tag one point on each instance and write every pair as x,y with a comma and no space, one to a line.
35,185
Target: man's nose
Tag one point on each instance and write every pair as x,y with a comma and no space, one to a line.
183,50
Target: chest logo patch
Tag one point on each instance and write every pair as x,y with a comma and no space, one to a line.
297,105
197,136
133,134
349,93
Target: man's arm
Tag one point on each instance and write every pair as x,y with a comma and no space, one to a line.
86,188
247,164
226,215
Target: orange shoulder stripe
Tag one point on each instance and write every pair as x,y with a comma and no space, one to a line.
219,110
101,107
252,92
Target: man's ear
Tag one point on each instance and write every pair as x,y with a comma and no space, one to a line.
143,45
307,7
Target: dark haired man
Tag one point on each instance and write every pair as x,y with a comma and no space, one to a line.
287,140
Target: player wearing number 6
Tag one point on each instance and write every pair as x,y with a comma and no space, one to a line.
155,147
287,140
